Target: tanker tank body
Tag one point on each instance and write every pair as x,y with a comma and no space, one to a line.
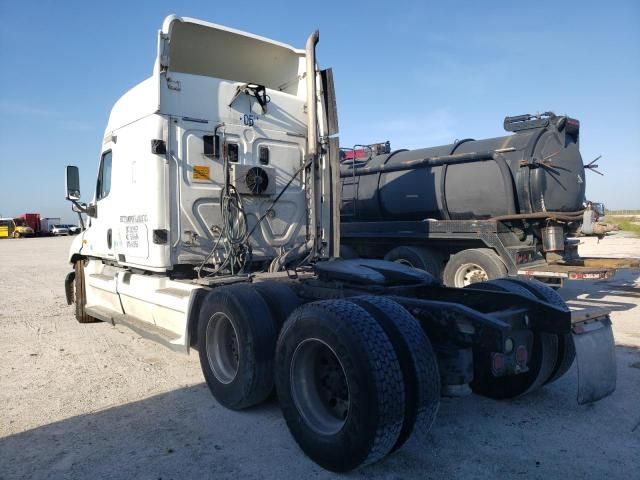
475,209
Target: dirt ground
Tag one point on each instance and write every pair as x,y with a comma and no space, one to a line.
96,401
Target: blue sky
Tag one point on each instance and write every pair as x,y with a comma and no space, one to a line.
416,73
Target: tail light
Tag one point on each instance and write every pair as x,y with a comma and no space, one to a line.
497,363
521,355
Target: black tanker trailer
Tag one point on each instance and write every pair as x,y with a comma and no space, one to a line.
475,210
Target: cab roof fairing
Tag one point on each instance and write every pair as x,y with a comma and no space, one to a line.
256,59
201,48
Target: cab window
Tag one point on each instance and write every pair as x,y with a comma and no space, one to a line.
104,176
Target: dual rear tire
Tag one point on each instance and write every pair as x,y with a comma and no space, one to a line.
237,334
355,378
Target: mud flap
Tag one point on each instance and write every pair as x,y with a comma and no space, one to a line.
596,359
68,287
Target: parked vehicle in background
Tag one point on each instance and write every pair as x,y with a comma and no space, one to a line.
32,220
6,227
22,229
14,227
60,230
73,229
47,224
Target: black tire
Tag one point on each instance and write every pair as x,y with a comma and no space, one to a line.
542,358
417,361
236,345
479,264
281,300
80,294
566,347
347,252
351,413
417,257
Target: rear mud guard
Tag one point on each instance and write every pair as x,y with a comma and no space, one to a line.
596,359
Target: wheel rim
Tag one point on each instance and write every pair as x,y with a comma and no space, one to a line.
222,348
319,387
470,273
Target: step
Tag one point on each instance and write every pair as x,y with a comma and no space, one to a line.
144,329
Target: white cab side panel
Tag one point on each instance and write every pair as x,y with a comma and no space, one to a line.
137,203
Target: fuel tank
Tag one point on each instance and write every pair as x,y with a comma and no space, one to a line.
537,168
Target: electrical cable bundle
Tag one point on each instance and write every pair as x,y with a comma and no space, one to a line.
232,237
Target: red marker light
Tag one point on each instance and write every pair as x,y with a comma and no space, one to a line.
497,363
521,355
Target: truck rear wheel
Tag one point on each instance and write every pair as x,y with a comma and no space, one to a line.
236,344
417,257
542,357
80,295
339,384
566,348
473,265
417,362
280,298
347,252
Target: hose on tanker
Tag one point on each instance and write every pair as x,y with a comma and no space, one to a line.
564,216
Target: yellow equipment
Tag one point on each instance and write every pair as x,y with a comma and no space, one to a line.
16,228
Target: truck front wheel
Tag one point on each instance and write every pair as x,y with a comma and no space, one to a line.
80,296
472,266
236,344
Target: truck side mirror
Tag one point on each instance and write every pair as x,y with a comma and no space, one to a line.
72,183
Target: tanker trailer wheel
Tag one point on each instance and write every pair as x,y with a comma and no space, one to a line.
566,348
542,357
417,257
281,300
80,295
472,266
236,344
339,384
417,361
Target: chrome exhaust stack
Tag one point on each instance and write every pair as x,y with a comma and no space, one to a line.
313,185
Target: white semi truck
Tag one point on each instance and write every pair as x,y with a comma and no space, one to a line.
214,225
